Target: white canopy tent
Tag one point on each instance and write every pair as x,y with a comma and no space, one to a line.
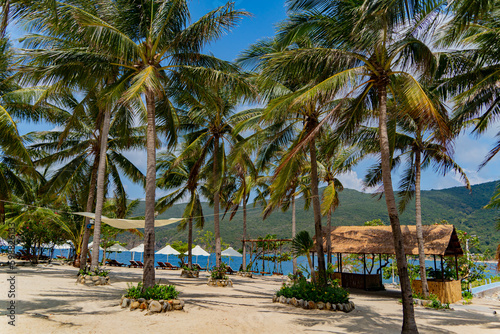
231,252
137,249
198,251
127,224
117,248
167,250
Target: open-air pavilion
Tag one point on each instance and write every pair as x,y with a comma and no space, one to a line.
439,241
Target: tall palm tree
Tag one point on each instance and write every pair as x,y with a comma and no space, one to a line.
154,52
333,161
209,126
186,178
362,47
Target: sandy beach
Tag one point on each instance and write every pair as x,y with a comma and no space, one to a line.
49,301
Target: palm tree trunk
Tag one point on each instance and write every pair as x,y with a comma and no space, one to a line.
218,256
418,223
244,260
409,324
317,214
101,176
328,238
89,208
148,277
294,261
5,18
190,242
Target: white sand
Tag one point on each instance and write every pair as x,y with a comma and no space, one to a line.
49,301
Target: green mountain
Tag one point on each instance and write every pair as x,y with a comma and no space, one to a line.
457,205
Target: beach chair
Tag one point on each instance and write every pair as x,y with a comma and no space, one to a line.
197,266
168,265
133,264
229,270
60,257
140,264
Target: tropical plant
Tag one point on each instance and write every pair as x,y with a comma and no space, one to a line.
307,291
302,245
155,292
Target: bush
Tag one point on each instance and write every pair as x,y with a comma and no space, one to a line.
96,272
156,292
219,272
302,289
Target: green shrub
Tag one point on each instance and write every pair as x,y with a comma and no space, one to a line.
156,292
219,272
96,272
302,289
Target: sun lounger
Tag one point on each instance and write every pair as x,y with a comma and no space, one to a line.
168,265
133,264
197,266
61,257
229,270
140,264
114,263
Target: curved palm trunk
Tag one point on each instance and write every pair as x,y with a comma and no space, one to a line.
101,175
190,242
89,208
5,18
294,261
218,256
418,223
409,324
328,238
244,260
148,276
317,214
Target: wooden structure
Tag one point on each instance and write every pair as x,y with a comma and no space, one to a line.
439,240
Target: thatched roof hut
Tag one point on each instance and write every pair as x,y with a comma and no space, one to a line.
438,240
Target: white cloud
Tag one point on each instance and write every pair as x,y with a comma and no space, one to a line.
351,180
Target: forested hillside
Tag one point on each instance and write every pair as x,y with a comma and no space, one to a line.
457,205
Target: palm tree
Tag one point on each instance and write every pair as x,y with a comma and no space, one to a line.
362,49
209,127
302,245
185,178
153,50
333,160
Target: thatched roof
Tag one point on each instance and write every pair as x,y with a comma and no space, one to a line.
438,240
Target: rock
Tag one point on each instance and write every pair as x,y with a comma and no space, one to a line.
161,301
287,301
294,301
352,305
328,306
167,307
347,308
155,306
301,303
143,306
306,305
135,304
282,299
311,305
320,305
94,278
340,307
334,307
274,298
176,302
125,302
141,300
182,304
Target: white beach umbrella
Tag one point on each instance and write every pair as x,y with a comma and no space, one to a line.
92,244
137,249
64,246
198,251
3,242
167,250
117,248
231,252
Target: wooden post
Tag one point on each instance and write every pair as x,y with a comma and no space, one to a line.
456,266
380,268
338,263
442,268
364,270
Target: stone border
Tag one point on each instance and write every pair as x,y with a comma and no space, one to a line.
190,273
348,307
244,274
152,306
219,282
92,280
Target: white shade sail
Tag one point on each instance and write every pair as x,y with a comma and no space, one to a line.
198,251
63,246
231,252
167,250
138,249
117,248
126,224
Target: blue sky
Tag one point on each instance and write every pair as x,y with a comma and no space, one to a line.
469,150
